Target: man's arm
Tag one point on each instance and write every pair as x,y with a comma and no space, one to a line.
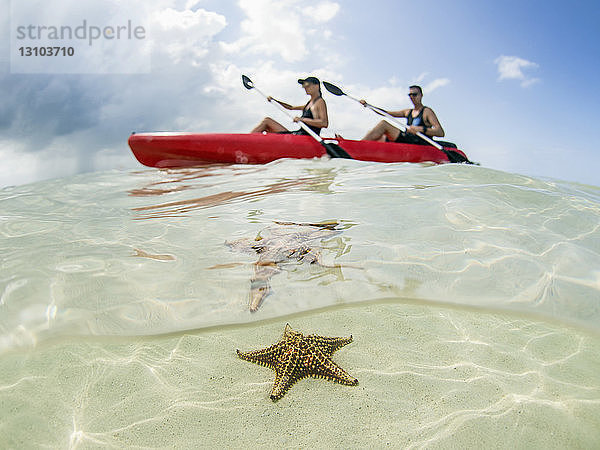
401,113
434,128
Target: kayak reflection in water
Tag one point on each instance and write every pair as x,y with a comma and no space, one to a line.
314,113
419,119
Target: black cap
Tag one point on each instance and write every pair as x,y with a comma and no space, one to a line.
313,80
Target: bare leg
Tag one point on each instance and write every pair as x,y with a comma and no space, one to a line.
269,125
380,130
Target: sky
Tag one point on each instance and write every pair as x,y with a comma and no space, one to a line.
513,83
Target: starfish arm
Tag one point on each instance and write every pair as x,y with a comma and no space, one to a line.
243,245
288,372
328,345
260,285
259,290
289,333
324,367
267,357
311,256
331,371
264,270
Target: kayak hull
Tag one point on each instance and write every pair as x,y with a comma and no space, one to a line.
170,149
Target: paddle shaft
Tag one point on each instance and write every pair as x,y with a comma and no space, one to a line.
333,150
395,122
291,116
453,156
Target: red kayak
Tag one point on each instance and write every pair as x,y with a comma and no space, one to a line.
169,149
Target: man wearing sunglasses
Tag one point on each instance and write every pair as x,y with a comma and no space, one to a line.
420,118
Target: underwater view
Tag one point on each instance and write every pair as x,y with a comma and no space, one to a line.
472,297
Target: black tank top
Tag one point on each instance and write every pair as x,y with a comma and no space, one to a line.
307,114
416,121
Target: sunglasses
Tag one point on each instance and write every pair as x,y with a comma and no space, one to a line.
413,94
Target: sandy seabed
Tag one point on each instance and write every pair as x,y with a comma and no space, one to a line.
428,377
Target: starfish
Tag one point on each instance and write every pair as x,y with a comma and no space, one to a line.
297,356
277,245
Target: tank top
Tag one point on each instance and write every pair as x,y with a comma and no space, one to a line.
307,114
416,121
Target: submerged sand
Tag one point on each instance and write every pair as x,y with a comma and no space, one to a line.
428,376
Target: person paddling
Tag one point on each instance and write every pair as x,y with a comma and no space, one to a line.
419,119
314,113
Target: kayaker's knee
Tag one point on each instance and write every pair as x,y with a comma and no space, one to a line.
382,125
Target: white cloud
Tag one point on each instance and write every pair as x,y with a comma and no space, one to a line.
184,35
188,20
323,12
279,27
429,87
21,167
511,68
191,4
270,28
435,84
421,77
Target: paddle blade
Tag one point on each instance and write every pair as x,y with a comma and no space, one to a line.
335,151
333,88
455,157
248,84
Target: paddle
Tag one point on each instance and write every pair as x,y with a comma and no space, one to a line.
452,155
332,149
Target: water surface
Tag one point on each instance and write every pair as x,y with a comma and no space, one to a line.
473,296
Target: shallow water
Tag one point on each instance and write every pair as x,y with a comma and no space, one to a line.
473,296
428,376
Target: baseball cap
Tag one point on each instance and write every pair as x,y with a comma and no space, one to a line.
312,80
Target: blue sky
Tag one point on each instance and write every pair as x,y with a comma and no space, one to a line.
513,83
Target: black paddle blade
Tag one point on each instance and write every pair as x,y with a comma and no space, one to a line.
333,88
335,151
455,157
248,84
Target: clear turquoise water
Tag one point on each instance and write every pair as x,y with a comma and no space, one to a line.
120,298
